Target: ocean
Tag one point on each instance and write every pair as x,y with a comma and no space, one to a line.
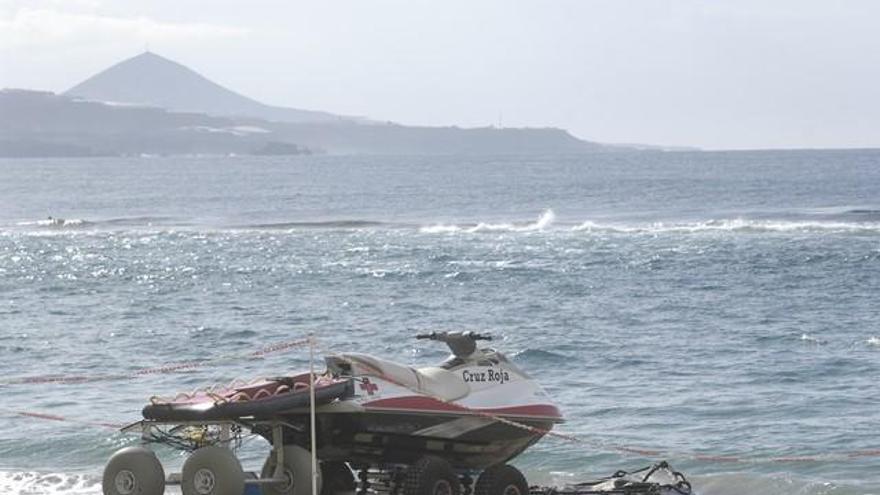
696,304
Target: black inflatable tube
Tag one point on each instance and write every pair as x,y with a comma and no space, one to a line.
270,406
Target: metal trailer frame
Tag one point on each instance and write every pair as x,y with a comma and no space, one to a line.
144,426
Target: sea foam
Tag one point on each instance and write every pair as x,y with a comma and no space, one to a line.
731,225
35,483
543,222
54,223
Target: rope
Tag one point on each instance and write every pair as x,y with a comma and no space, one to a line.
158,370
56,417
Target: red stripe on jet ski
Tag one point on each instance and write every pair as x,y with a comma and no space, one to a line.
418,403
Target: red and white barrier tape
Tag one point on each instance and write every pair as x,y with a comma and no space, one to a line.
157,370
63,419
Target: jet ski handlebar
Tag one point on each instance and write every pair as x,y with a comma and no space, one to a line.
462,344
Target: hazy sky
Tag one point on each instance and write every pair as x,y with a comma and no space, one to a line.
716,74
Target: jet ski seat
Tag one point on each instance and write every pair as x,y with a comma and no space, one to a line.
433,381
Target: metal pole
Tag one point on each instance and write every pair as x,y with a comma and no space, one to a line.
312,413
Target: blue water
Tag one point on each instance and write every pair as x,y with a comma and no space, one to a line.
694,303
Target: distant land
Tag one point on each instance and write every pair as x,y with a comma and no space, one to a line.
150,105
151,80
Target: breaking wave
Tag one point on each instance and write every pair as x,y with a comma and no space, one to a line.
546,222
78,223
543,222
56,223
732,225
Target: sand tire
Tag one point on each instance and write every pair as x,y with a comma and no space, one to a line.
133,471
501,480
212,470
297,473
431,476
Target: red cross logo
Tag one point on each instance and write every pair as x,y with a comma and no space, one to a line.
369,386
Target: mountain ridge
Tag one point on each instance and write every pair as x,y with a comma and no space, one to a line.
150,79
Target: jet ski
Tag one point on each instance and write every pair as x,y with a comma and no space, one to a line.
449,429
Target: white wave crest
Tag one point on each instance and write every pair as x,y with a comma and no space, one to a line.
544,221
440,229
591,226
873,341
731,225
52,222
811,339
